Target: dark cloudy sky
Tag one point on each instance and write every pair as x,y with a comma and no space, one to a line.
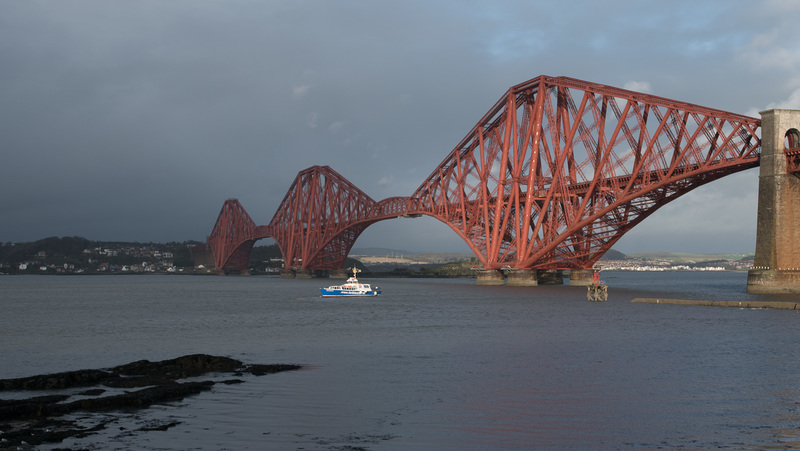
135,120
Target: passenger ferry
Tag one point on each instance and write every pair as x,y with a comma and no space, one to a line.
350,288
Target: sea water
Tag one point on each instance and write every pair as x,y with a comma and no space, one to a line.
431,364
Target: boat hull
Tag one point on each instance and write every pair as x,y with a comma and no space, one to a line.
328,293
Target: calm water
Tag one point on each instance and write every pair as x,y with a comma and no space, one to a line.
431,364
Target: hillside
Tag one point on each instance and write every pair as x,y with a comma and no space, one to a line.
614,255
79,255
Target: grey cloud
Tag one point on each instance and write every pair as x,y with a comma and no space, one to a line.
136,120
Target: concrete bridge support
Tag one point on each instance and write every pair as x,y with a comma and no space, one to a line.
581,277
550,277
296,273
777,261
522,278
490,277
513,277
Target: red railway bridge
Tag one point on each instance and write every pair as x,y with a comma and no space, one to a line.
550,178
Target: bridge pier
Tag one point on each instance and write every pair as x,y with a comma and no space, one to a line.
340,274
550,277
305,273
243,272
776,268
296,273
522,278
490,277
581,277
514,277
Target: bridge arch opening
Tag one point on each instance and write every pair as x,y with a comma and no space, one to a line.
791,139
419,235
702,221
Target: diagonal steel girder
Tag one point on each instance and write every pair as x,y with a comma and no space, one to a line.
551,177
232,237
559,169
321,217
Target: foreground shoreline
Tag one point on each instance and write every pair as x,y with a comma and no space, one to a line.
37,420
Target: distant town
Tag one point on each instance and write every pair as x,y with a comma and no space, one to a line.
76,255
664,261
386,260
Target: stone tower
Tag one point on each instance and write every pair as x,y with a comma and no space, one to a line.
777,261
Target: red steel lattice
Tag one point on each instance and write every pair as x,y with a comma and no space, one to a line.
233,237
792,152
320,218
550,178
560,168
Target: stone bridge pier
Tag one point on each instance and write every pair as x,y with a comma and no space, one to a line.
777,260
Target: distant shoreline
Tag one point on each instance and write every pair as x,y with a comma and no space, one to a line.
401,274
780,305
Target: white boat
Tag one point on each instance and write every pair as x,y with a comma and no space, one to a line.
352,287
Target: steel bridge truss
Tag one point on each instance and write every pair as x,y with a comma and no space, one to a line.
550,178
321,217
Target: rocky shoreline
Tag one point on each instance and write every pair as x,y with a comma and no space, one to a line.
37,420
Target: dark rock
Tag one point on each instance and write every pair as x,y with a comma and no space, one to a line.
31,407
69,379
182,367
92,392
260,370
36,420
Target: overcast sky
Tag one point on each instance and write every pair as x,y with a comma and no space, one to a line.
136,120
